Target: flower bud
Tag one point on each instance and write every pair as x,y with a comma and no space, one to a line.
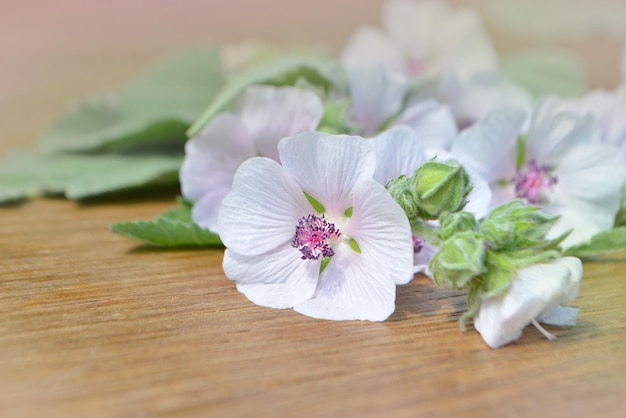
440,187
451,223
459,260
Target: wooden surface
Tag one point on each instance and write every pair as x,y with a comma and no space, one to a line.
92,324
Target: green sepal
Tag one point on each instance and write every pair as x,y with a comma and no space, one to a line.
324,263
317,206
354,245
600,244
348,212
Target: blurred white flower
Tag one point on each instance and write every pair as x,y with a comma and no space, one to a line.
560,166
262,117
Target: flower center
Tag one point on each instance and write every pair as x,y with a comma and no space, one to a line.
418,244
415,66
533,182
313,237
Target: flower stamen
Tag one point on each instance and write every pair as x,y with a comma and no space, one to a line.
313,237
533,182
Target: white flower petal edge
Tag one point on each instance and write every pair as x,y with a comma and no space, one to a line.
271,113
534,293
432,121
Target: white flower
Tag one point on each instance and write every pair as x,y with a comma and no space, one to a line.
262,117
561,166
318,233
423,38
377,97
534,295
401,151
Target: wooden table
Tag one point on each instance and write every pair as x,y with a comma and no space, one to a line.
92,324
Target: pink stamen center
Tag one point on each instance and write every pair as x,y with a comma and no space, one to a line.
533,182
312,237
418,244
415,66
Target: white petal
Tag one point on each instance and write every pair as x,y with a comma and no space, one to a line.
328,167
262,209
489,148
213,156
278,266
272,113
479,199
351,287
592,171
398,151
584,218
382,231
561,315
433,122
535,291
553,132
369,46
377,94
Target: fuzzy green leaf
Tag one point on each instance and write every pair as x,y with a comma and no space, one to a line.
173,228
79,176
153,111
281,71
547,71
600,244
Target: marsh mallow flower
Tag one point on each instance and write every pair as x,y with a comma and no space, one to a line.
262,116
558,164
534,296
317,233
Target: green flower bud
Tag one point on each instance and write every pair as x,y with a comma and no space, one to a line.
459,260
516,225
440,187
451,223
401,190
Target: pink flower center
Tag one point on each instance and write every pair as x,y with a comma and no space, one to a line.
312,237
533,181
418,244
415,66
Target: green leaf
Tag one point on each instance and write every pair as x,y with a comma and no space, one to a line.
153,111
600,244
78,176
281,71
173,228
547,71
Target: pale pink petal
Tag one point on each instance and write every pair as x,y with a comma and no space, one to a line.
328,167
553,132
213,156
377,94
489,148
204,211
272,113
263,208
563,316
398,151
433,123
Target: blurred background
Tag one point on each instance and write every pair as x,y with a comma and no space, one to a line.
57,52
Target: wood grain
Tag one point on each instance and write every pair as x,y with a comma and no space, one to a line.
92,324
